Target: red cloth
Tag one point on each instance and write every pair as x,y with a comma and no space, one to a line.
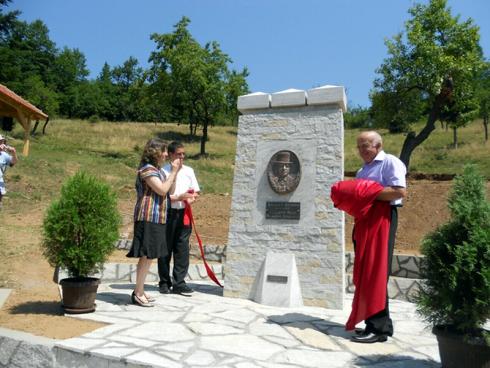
187,215
190,220
371,231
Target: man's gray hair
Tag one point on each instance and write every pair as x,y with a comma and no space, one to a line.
373,136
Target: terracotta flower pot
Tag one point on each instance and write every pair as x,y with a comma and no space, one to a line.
455,352
79,294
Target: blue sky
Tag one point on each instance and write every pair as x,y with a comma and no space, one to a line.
284,43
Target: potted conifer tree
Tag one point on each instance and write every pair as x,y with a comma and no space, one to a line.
79,232
455,295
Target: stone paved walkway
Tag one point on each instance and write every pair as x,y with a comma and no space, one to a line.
208,330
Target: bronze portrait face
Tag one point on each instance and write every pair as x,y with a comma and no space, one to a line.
284,172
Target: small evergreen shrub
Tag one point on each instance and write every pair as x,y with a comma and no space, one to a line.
456,291
82,226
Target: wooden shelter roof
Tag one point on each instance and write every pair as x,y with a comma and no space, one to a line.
14,106
10,103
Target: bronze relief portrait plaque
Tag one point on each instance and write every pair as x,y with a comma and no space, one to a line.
284,172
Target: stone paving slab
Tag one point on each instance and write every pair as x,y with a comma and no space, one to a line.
209,330
4,294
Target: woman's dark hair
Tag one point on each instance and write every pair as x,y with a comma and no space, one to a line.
152,151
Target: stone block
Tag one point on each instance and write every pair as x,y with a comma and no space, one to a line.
196,272
7,349
21,349
288,97
253,101
35,356
4,294
326,95
278,283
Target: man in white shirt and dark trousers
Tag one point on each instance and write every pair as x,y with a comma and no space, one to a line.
179,229
390,172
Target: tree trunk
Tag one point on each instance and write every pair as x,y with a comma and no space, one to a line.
33,131
44,126
204,137
455,137
485,127
413,140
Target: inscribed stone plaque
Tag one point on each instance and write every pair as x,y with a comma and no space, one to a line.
283,210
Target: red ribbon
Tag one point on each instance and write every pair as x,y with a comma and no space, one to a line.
209,271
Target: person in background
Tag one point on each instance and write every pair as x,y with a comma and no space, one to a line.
390,172
8,157
179,228
150,213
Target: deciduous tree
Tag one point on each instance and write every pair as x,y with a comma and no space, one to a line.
429,73
483,95
197,79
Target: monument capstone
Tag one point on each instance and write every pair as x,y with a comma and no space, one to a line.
289,153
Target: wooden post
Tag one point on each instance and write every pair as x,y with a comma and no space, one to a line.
25,121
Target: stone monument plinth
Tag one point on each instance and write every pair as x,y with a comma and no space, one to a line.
289,153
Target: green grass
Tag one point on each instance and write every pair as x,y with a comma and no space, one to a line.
435,155
112,151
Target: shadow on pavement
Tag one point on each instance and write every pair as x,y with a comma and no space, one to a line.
49,308
198,287
303,321
114,298
394,361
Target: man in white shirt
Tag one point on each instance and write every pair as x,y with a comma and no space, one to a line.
179,229
390,172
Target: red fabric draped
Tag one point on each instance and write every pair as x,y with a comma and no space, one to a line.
188,219
371,231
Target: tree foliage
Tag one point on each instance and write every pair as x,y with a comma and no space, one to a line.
186,82
197,79
358,118
81,227
483,95
429,74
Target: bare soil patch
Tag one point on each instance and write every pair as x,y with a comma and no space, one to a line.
34,305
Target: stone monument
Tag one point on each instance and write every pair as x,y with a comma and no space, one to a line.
289,153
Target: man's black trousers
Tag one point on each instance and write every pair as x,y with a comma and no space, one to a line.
178,248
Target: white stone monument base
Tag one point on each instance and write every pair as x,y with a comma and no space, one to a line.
278,282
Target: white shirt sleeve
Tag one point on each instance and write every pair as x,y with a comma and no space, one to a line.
194,183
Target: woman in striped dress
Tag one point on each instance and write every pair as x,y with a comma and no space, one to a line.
149,240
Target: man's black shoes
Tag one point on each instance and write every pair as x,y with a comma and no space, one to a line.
164,289
368,337
182,290
360,331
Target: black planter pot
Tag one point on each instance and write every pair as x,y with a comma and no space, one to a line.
457,353
79,294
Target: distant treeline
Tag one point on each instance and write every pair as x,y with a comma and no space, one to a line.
185,82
